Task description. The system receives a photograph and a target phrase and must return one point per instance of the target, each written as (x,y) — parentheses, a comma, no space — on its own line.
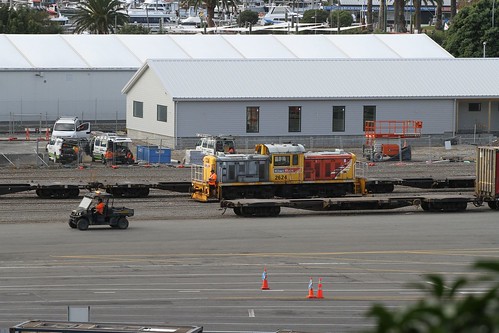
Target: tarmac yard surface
(209,271)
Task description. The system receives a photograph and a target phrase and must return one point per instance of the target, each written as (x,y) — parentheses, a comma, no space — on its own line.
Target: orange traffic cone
(319,289)
(311,289)
(265,283)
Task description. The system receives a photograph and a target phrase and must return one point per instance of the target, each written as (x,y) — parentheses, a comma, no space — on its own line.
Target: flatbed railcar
(59,190)
(272,207)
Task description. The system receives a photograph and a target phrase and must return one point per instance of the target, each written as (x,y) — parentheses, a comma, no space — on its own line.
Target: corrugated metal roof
(326,78)
(131,51)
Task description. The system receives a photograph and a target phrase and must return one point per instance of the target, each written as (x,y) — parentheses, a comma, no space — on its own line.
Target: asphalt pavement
(208,272)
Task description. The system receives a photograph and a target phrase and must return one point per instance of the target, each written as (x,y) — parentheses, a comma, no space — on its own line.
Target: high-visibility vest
(99,208)
(213,179)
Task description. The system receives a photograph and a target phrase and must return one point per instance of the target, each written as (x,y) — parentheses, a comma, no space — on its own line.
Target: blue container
(143,152)
(154,154)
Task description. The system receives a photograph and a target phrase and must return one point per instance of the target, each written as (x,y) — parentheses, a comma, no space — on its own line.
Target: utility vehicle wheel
(425,206)
(237,211)
(82,224)
(123,223)
(493,205)
(72,225)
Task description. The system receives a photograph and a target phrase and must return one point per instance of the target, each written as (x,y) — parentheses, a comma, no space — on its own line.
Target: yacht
(153,12)
(279,14)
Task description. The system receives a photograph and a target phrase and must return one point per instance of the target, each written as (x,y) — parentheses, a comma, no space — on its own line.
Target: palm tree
(417,15)
(369,15)
(210,7)
(382,15)
(99,16)
(439,24)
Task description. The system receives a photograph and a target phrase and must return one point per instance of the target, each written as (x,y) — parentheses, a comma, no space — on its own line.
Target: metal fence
(21,153)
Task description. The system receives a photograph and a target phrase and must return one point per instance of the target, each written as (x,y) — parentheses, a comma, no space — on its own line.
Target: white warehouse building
(47,76)
(278,100)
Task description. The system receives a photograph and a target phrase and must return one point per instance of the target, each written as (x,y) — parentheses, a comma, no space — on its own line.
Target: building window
(138,109)
(252,119)
(161,113)
(369,115)
(474,107)
(338,119)
(294,122)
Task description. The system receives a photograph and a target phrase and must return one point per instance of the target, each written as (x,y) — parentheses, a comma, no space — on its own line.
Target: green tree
(134,29)
(470,28)
(446,309)
(343,17)
(24,20)
(247,16)
(315,16)
(99,16)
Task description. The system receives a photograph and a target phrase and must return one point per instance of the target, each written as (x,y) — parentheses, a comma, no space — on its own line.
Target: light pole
(484,44)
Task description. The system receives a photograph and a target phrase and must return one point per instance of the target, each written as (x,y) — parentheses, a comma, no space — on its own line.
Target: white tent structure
(46,76)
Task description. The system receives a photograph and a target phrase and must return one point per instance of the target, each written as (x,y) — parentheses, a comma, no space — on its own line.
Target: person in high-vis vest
(212,182)
(108,156)
(99,208)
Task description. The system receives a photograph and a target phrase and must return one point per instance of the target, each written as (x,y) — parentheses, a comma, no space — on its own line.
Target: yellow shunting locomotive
(278,170)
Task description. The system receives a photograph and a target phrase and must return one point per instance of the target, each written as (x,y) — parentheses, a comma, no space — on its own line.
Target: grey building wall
(91,95)
(479,121)
(229,118)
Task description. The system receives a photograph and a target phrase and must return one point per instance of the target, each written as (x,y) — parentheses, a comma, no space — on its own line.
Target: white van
(119,147)
(71,127)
